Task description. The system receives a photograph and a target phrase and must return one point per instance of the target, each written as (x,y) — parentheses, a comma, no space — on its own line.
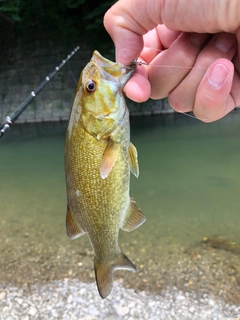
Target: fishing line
(189,115)
(171,66)
(139,62)
(9,120)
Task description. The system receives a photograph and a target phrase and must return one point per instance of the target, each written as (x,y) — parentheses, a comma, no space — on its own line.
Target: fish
(98,160)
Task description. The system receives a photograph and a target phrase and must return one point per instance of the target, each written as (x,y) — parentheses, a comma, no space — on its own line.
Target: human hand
(191,48)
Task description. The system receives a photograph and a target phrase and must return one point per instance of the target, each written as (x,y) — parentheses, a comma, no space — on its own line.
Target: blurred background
(35,37)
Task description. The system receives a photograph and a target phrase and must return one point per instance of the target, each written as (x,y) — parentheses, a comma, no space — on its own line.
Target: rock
(191,309)
(211,302)
(2,295)
(180,297)
(54,313)
(70,298)
(32,311)
(82,291)
(93,311)
(122,311)
(62,300)
(19,301)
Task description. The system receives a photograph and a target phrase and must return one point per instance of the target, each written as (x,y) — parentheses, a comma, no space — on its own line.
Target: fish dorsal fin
(134,217)
(133,161)
(73,230)
(109,158)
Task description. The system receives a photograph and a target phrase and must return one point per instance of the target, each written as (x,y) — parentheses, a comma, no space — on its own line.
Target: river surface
(188,188)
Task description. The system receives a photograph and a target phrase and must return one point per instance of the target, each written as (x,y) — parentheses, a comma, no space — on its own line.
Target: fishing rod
(9,120)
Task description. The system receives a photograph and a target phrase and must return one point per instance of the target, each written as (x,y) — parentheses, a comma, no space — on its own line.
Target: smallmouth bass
(98,159)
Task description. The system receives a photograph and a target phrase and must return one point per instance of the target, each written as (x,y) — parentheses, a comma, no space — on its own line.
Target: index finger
(128,20)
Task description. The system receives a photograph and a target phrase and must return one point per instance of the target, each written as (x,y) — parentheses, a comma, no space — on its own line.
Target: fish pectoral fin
(134,217)
(73,230)
(104,272)
(109,158)
(133,160)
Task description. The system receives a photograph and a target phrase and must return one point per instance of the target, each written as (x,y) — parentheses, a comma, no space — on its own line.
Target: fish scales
(97,208)
(98,160)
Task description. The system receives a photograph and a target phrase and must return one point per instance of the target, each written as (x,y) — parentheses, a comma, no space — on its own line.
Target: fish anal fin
(72,228)
(133,160)
(104,272)
(134,217)
(109,158)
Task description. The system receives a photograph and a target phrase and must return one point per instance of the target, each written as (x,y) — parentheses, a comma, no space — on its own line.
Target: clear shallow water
(189,177)
(188,187)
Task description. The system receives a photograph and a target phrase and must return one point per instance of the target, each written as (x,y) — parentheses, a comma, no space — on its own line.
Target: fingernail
(225,42)
(218,75)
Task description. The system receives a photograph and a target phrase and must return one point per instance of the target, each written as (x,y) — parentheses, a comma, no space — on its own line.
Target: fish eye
(90,86)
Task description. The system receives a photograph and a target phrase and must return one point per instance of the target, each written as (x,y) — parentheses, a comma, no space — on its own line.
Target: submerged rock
(219,242)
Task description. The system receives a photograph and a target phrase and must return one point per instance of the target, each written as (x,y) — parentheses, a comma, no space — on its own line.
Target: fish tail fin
(104,272)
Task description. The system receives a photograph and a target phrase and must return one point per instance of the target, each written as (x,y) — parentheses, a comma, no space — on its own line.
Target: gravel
(72,299)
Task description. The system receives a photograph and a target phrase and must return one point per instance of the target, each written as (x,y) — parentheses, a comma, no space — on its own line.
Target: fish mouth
(113,69)
(104,62)
(126,69)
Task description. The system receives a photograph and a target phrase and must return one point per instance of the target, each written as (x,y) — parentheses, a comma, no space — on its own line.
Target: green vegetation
(69,22)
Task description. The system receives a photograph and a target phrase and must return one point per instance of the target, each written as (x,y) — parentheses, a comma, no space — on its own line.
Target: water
(189,183)
(188,188)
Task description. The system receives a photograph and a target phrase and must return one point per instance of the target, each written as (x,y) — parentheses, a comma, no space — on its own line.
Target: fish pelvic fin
(109,158)
(133,160)
(72,228)
(104,272)
(134,217)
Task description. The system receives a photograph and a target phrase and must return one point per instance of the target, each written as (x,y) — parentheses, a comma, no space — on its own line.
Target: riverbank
(76,300)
